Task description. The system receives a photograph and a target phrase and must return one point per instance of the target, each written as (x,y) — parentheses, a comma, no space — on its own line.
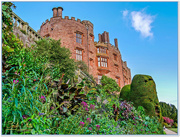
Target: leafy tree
(168,110)
(56,58)
(109,84)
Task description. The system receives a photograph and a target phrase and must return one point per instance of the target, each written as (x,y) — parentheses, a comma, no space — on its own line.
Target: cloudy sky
(146,33)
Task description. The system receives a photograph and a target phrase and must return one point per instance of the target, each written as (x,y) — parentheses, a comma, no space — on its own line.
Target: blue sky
(146,33)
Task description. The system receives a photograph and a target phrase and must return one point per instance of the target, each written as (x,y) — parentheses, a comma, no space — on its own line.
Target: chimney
(107,37)
(116,43)
(99,35)
(54,12)
(60,9)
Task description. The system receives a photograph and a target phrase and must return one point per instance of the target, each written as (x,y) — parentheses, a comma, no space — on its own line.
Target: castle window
(79,38)
(78,54)
(101,50)
(99,79)
(102,62)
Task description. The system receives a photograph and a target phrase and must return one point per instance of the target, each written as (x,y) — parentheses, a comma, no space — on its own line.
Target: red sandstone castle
(102,58)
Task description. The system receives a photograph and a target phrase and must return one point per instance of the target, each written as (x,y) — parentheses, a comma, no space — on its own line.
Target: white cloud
(125,13)
(142,22)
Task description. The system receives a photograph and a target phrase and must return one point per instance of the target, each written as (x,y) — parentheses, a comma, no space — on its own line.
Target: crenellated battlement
(84,22)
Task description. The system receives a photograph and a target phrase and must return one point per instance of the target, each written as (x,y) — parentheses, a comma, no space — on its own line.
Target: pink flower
(97,126)
(81,123)
(84,104)
(42,96)
(15,81)
(133,118)
(92,107)
(86,109)
(89,120)
(90,128)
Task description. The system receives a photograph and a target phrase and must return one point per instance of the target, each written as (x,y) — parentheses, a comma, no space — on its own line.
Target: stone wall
(22,30)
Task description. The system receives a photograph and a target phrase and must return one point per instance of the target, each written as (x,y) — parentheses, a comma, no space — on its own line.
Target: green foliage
(23,31)
(143,93)
(168,110)
(81,65)
(175,125)
(125,92)
(109,84)
(56,58)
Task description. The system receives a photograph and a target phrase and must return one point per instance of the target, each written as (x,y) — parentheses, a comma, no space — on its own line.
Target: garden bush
(109,84)
(125,91)
(143,93)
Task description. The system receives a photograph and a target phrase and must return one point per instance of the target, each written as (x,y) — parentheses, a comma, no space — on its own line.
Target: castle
(102,58)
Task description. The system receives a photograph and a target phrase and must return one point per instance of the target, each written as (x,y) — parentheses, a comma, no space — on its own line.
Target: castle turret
(54,12)
(60,9)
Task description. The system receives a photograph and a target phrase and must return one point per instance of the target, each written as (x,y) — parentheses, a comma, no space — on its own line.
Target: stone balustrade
(82,75)
(22,25)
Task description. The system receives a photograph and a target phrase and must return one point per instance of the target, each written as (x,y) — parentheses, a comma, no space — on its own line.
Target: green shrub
(56,58)
(125,92)
(165,124)
(143,93)
(109,84)
(175,125)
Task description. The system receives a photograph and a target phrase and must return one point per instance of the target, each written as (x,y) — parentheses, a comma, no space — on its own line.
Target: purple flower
(41,114)
(133,118)
(92,107)
(90,128)
(15,81)
(81,123)
(24,116)
(86,109)
(141,129)
(89,120)
(30,119)
(134,124)
(42,96)
(97,126)
(84,104)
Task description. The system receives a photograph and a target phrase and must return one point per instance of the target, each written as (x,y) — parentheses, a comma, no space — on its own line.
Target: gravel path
(169,132)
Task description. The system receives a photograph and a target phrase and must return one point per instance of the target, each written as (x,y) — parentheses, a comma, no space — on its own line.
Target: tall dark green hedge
(143,93)
(125,92)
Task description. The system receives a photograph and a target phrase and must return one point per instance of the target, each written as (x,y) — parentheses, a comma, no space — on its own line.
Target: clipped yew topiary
(125,91)
(143,93)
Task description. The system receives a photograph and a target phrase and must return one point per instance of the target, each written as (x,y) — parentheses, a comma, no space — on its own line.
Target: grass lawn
(173,129)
